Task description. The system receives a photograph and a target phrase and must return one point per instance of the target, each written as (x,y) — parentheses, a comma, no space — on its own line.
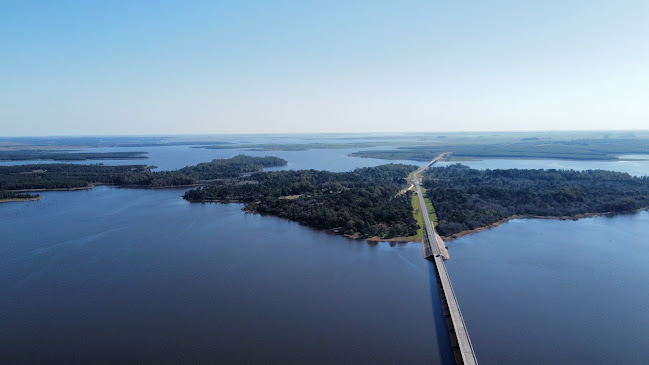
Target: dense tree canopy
(4,194)
(67,176)
(361,202)
(466,199)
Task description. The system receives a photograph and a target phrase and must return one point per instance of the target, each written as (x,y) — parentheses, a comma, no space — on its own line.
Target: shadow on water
(441,330)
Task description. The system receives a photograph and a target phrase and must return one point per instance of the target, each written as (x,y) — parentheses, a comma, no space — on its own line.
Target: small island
(468,200)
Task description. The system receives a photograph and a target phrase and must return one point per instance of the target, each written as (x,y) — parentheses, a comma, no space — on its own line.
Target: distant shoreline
(20,199)
(56,189)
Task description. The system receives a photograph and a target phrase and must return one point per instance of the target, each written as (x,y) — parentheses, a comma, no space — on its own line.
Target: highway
(431,244)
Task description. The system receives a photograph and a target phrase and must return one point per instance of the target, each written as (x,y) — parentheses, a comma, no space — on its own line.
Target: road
(437,244)
(464,350)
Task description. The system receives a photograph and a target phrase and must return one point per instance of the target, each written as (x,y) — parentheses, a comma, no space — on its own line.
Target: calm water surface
(175,157)
(141,275)
(556,292)
(636,165)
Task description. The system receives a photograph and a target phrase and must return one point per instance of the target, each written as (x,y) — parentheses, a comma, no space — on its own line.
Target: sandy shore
(20,199)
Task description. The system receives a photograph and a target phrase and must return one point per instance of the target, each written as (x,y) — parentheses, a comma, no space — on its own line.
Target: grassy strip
(431,210)
(416,211)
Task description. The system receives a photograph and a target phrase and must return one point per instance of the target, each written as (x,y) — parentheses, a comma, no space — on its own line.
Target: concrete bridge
(435,250)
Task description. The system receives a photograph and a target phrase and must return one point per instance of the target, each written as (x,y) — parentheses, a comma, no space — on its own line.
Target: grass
(290,197)
(416,212)
(431,210)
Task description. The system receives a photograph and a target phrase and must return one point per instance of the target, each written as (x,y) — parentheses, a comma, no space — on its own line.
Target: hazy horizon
(561,133)
(254,67)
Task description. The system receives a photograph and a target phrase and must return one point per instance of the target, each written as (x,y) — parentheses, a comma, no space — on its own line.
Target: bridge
(435,250)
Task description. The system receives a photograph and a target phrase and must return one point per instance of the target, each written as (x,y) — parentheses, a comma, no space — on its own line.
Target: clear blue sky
(163,67)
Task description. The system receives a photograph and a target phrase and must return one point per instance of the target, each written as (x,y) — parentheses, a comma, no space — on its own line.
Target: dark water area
(556,292)
(119,275)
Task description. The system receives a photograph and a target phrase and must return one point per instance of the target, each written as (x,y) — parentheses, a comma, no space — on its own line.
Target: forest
(6,195)
(466,198)
(362,203)
(70,176)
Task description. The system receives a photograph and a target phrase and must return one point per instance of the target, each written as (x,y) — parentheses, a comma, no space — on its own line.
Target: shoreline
(335,231)
(562,218)
(106,184)
(56,189)
(20,199)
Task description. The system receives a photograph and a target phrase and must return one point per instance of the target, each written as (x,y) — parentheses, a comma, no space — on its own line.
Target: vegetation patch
(467,199)
(8,196)
(419,216)
(71,176)
(432,215)
(362,203)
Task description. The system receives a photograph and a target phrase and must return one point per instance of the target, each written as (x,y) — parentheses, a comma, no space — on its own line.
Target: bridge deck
(431,250)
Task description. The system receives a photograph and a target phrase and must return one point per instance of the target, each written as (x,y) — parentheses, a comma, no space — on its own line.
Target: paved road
(464,342)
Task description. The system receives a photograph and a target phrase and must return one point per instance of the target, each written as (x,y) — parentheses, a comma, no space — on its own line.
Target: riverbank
(20,199)
(563,218)
(56,189)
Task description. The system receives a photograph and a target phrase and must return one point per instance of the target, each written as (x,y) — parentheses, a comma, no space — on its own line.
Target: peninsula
(467,200)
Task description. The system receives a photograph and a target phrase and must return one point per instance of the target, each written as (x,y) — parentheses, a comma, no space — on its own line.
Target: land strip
(469,200)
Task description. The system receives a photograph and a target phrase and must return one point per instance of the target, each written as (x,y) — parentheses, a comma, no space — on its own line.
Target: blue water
(175,157)
(143,276)
(636,165)
(556,292)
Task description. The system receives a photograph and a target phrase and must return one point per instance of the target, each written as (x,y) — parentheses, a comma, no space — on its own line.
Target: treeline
(578,149)
(27,155)
(466,199)
(69,176)
(4,194)
(361,202)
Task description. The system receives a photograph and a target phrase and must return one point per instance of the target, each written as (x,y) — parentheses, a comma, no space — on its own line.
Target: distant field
(579,149)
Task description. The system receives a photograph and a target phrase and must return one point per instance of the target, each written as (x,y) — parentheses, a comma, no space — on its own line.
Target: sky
(193,67)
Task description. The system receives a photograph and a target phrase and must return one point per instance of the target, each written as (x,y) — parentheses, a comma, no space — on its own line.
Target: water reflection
(441,329)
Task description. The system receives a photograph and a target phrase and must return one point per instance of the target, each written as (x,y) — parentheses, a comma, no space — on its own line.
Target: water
(636,165)
(556,292)
(175,157)
(143,276)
